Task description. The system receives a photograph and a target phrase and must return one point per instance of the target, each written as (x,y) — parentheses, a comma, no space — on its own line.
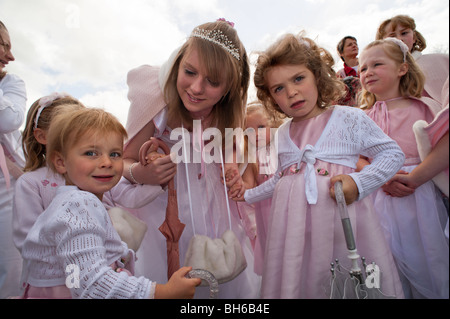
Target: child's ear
(40,136)
(404,67)
(59,162)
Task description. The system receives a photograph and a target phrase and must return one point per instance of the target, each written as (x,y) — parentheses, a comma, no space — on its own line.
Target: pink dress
(210,215)
(304,238)
(262,216)
(414,224)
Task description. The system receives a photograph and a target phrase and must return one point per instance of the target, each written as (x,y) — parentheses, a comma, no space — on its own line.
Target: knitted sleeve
(263,191)
(27,206)
(387,156)
(82,234)
(131,195)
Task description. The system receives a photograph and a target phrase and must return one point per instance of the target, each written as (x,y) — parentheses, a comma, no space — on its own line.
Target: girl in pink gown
(204,82)
(265,125)
(317,147)
(413,219)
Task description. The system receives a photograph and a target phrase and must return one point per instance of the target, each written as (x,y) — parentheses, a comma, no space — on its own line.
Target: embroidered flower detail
(294,169)
(322,172)
(45,182)
(54,185)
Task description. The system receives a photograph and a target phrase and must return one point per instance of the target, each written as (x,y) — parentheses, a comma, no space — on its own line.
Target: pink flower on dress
(45,182)
(294,169)
(54,185)
(322,172)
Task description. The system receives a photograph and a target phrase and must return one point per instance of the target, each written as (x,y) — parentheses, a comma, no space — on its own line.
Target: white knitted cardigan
(348,133)
(76,231)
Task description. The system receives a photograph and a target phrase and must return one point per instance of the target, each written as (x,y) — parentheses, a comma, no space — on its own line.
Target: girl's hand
(149,152)
(400,185)
(237,192)
(231,174)
(154,168)
(349,188)
(178,286)
(233,180)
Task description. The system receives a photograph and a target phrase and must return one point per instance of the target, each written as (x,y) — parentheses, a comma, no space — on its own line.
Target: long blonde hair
(298,50)
(405,21)
(411,84)
(33,150)
(229,111)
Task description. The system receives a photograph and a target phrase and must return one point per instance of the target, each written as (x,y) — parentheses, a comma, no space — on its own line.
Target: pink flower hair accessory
(229,22)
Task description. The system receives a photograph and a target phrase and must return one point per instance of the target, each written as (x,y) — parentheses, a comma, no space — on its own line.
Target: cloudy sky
(86,47)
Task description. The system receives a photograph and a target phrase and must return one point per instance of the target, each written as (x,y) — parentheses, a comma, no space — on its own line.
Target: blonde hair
(405,21)
(33,150)
(411,84)
(229,111)
(275,119)
(69,127)
(298,50)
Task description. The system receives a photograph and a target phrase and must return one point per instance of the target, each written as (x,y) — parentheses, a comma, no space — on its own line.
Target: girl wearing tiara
(73,250)
(318,146)
(413,219)
(204,80)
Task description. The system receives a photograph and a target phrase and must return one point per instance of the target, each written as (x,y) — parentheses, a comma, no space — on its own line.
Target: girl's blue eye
(90,153)
(299,78)
(277,89)
(115,154)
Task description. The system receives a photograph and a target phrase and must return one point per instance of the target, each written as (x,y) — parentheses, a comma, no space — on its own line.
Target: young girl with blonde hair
(413,219)
(264,125)
(73,250)
(37,186)
(318,146)
(433,65)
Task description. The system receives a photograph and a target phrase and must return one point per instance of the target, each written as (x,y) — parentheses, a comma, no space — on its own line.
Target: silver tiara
(217,37)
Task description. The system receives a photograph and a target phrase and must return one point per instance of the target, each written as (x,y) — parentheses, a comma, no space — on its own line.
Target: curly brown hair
(298,50)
